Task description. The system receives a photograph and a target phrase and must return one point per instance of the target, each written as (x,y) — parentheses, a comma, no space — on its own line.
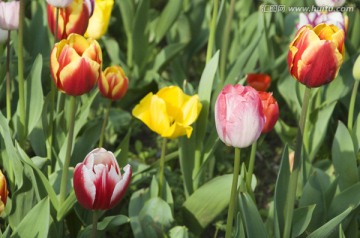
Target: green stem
(106,118)
(251,166)
(292,187)
(130,50)
(162,165)
(352,105)
(8,82)
(230,217)
(225,42)
(70,139)
(94,224)
(211,40)
(22,135)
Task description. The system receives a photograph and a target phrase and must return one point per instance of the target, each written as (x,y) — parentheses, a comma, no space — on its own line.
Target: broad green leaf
(327,229)
(253,223)
(186,160)
(301,220)
(199,210)
(344,158)
(139,33)
(36,222)
(137,202)
(112,48)
(124,149)
(179,232)
(127,10)
(167,18)
(105,224)
(66,206)
(349,196)
(34,99)
(166,54)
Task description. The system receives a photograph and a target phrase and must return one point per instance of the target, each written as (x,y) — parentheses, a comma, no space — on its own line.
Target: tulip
(75,64)
(59,3)
(169,113)
(356,69)
(239,116)
(3,192)
(330,3)
(98,182)
(72,19)
(316,54)
(99,21)
(114,83)
(316,18)
(9,15)
(261,82)
(270,109)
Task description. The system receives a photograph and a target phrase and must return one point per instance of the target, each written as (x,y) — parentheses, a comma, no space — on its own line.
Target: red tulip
(239,116)
(72,19)
(98,183)
(113,83)
(75,64)
(270,109)
(316,54)
(261,82)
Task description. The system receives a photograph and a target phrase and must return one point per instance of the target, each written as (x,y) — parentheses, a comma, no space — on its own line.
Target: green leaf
(301,220)
(166,54)
(167,18)
(179,232)
(66,206)
(127,10)
(348,197)
(137,202)
(327,229)
(253,223)
(34,99)
(344,158)
(36,222)
(106,224)
(139,33)
(199,210)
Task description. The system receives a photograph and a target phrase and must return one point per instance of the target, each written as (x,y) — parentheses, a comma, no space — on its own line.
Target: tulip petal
(321,60)
(79,76)
(84,186)
(121,186)
(191,110)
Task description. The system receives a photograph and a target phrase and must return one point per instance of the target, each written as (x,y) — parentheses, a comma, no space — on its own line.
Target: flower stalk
(106,118)
(162,166)
(8,82)
(352,105)
(94,224)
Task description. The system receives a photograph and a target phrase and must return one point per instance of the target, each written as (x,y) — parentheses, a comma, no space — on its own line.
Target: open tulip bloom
(316,54)
(98,182)
(169,113)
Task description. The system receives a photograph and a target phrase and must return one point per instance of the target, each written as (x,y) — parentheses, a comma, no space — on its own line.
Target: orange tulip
(261,82)
(316,54)
(270,109)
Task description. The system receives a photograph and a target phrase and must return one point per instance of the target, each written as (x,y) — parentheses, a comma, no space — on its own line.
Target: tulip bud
(98,182)
(169,113)
(239,116)
(3,192)
(59,3)
(270,109)
(316,54)
(113,84)
(261,82)
(75,64)
(99,21)
(356,69)
(72,19)
(9,15)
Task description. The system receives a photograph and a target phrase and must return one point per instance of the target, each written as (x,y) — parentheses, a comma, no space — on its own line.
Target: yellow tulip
(99,21)
(169,113)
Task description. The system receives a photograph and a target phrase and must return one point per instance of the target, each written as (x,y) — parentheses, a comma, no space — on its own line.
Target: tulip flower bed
(153,118)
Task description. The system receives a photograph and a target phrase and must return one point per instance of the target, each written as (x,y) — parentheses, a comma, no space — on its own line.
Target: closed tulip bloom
(316,54)
(9,15)
(98,182)
(261,82)
(3,192)
(270,109)
(239,116)
(72,19)
(169,113)
(59,3)
(99,21)
(113,84)
(75,64)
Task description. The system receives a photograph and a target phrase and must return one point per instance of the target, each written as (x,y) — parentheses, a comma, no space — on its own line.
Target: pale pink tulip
(9,15)
(239,116)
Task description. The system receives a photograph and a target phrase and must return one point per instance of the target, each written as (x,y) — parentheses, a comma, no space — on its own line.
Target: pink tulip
(98,183)
(9,15)
(239,116)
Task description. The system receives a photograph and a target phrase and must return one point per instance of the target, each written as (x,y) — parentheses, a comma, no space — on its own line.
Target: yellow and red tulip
(72,19)
(113,84)
(316,54)
(99,21)
(169,113)
(75,64)
(3,192)
(261,82)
